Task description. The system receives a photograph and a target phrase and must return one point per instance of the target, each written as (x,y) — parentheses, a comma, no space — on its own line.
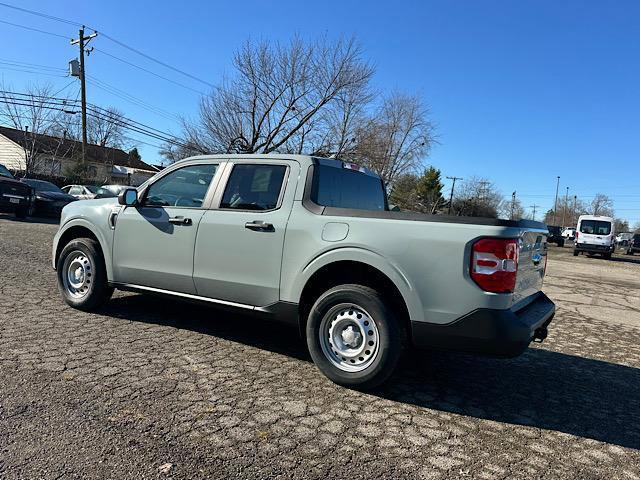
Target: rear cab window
(595,227)
(344,185)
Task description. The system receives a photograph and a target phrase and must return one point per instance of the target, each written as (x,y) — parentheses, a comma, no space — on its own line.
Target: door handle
(259,226)
(180,221)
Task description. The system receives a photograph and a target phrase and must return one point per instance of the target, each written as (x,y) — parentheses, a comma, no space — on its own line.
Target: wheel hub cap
(78,273)
(349,338)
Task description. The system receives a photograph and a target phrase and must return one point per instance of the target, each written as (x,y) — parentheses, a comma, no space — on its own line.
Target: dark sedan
(50,199)
(15,196)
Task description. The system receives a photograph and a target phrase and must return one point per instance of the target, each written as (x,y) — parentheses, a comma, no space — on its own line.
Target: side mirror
(128,197)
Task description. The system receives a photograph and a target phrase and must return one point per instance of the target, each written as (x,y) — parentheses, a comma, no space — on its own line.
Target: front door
(238,252)
(154,241)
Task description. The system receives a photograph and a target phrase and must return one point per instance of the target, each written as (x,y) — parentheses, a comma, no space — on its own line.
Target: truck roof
(595,217)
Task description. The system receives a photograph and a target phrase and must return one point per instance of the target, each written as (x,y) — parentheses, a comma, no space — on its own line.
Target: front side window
(185,187)
(595,227)
(253,187)
(76,190)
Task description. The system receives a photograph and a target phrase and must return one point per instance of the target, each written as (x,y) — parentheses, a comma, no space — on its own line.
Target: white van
(595,234)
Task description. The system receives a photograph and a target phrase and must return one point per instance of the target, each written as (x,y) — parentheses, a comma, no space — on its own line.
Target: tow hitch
(540,334)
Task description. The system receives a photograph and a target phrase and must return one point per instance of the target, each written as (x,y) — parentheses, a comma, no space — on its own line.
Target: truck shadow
(626,258)
(544,389)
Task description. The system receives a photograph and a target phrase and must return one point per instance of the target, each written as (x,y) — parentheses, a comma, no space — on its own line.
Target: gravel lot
(154,388)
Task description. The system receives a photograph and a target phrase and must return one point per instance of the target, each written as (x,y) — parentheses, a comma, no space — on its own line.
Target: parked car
(81,192)
(49,198)
(595,234)
(622,239)
(555,235)
(15,196)
(109,191)
(569,233)
(358,280)
(634,244)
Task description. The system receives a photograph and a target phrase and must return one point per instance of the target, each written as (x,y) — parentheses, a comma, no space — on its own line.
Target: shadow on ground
(543,389)
(42,220)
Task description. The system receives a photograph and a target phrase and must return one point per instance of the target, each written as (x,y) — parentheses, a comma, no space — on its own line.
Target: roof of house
(65,147)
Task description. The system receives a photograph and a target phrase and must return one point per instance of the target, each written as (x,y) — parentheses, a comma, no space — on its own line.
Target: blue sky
(521,91)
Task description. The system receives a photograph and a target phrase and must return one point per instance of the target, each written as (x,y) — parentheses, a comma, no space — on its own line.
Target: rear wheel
(575,253)
(82,275)
(354,336)
(607,256)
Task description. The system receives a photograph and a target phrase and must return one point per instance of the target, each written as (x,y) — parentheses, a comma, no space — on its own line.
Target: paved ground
(153,388)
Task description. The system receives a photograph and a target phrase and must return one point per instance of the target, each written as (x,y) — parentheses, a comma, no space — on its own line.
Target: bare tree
(478,197)
(602,205)
(276,94)
(33,114)
(397,139)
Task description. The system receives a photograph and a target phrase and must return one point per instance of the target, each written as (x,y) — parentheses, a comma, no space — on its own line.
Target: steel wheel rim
(77,274)
(349,338)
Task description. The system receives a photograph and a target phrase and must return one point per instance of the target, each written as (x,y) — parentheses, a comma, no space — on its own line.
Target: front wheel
(575,253)
(354,336)
(82,275)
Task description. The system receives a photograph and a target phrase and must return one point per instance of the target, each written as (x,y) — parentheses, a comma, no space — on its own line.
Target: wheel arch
(356,266)
(80,228)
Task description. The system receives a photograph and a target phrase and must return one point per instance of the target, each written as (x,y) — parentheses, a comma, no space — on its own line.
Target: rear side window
(253,187)
(595,227)
(346,188)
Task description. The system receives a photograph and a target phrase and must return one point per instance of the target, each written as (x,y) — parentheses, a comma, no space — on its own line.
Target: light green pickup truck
(311,241)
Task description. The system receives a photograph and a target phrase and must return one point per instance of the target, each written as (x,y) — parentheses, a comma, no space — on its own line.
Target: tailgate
(531,264)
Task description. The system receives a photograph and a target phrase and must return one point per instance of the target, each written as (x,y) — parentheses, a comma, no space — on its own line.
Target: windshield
(595,227)
(4,172)
(42,186)
(91,188)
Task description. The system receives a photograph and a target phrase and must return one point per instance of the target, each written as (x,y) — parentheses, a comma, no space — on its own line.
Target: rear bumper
(586,247)
(499,333)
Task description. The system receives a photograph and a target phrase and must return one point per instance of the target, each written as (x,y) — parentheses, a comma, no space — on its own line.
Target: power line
(34,29)
(122,122)
(131,99)
(16,63)
(114,40)
(147,71)
(39,14)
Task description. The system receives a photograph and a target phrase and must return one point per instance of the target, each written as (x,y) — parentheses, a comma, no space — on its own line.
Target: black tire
(607,256)
(575,253)
(95,291)
(390,334)
(22,212)
(561,242)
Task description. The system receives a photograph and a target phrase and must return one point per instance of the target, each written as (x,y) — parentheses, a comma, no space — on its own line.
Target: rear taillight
(494,264)
(576,237)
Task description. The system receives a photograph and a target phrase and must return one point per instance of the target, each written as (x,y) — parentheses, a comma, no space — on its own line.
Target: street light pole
(555,205)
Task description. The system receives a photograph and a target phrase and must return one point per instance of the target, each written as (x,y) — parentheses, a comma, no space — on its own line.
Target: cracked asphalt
(155,388)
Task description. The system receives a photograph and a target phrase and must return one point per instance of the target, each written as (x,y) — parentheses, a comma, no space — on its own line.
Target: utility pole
(575,209)
(534,206)
(513,205)
(566,206)
(82,41)
(555,205)
(452,187)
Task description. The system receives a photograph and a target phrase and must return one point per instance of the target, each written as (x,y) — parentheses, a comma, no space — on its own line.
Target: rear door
(238,253)
(595,232)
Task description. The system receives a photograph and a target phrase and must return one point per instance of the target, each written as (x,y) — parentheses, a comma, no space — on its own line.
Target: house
(55,157)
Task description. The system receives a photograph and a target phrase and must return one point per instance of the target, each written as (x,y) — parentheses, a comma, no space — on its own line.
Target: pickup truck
(311,241)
